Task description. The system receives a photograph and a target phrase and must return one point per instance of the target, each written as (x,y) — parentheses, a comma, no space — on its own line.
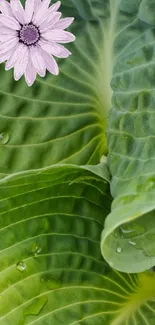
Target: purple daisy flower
(30,37)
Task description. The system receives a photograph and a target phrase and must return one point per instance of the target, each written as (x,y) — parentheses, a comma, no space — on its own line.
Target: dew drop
(121,232)
(21,266)
(36,249)
(50,282)
(132,230)
(36,306)
(119,250)
(4,138)
(33,309)
(126,231)
(132,243)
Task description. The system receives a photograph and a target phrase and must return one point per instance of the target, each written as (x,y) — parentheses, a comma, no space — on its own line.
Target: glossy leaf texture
(128,237)
(52,271)
(60,119)
(51,218)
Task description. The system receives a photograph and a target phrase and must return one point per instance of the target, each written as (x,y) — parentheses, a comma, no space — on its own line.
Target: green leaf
(128,237)
(131,6)
(85,9)
(60,119)
(146,13)
(63,119)
(52,271)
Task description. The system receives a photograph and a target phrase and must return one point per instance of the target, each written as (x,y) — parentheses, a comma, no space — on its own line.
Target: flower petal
(10,22)
(17,10)
(55,6)
(37,3)
(64,23)
(50,21)
(5,8)
(55,49)
(11,62)
(7,46)
(50,62)
(21,63)
(53,9)
(50,11)
(5,56)
(39,14)
(30,73)
(38,60)
(58,35)
(8,31)
(6,37)
(29,10)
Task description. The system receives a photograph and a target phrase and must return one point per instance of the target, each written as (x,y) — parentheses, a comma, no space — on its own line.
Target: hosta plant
(77,167)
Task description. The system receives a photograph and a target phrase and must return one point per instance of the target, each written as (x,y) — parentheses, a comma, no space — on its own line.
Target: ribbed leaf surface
(129,234)
(52,271)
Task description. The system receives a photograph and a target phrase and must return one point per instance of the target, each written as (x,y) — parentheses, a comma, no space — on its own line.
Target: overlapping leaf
(129,234)
(51,219)
(52,271)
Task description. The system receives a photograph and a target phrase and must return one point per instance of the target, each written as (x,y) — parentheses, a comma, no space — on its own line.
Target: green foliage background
(58,192)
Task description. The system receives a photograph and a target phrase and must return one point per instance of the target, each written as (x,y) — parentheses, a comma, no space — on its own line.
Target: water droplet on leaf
(21,266)
(122,232)
(36,249)
(51,282)
(36,306)
(131,230)
(33,309)
(119,250)
(132,243)
(127,231)
(4,138)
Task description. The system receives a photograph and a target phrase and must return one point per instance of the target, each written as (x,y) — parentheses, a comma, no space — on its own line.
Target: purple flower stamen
(29,34)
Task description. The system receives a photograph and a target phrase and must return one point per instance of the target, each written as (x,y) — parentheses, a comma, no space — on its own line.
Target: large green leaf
(51,269)
(58,119)
(63,118)
(129,234)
